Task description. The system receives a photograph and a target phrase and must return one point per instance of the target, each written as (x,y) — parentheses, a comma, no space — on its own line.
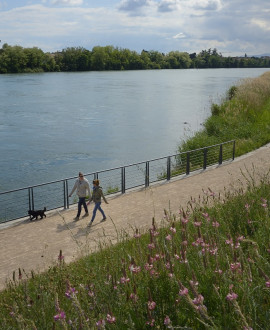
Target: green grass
(243,115)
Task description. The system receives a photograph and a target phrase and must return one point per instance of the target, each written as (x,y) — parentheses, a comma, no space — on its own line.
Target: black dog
(34,214)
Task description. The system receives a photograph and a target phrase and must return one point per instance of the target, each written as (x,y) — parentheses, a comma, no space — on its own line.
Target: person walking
(96,198)
(82,186)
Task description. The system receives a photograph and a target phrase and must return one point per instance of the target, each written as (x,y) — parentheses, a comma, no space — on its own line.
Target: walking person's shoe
(104,219)
(76,218)
(86,214)
(90,224)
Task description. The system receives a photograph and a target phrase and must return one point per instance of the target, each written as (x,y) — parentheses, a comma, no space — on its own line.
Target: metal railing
(15,204)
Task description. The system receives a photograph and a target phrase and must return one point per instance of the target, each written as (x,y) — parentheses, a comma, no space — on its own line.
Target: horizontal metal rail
(15,203)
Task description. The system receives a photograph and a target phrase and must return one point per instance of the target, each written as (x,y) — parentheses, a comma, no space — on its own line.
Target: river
(53,125)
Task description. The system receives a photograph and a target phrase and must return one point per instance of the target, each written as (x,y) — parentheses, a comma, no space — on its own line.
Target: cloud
(179,36)
(168,5)
(67,2)
(262,24)
(130,5)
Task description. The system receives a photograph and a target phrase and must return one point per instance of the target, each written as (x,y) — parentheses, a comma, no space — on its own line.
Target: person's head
(96,182)
(80,176)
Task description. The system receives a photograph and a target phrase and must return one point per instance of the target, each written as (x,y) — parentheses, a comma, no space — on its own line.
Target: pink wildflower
(100,324)
(110,319)
(167,320)
(198,300)
(197,224)
(183,292)
(267,284)
(124,280)
(151,305)
(151,323)
(137,235)
(235,266)
(173,230)
(168,237)
(231,296)
(215,224)
(133,297)
(151,246)
(184,220)
(247,206)
(60,316)
(148,266)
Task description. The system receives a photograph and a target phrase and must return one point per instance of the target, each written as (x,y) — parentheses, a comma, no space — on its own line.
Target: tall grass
(243,115)
(206,267)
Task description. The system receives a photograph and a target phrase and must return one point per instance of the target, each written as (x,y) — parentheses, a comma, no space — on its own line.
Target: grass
(243,115)
(207,267)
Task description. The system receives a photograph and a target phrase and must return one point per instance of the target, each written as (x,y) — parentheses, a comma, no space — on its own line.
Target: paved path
(35,245)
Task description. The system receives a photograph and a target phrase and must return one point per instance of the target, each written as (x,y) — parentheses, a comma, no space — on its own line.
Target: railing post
(96,176)
(168,168)
(67,194)
(233,150)
(29,199)
(205,158)
(32,198)
(220,155)
(188,163)
(147,174)
(123,180)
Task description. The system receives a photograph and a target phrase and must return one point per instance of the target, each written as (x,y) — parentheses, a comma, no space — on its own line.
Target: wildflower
(124,280)
(229,242)
(235,266)
(110,319)
(247,206)
(231,296)
(60,316)
(167,320)
(148,266)
(133,297)
(91,293)
(267,284)
(137,235)
(151,305)
(71,292)
(100,324)
(198,300)
(135,269)
(197,224)
(151,322)
(206,216)
(183,292)
(184,220)
(215,224)
(173,230)
(264,202)
(218,271)
(168,237)
(151,246)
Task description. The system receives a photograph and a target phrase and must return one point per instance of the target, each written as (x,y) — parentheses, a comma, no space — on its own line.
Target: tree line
(16,59)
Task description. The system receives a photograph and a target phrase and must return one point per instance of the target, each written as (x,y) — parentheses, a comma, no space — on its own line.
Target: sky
(233,27)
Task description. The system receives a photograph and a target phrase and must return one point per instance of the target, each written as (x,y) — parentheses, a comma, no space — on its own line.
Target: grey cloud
(133,5)
(167,6)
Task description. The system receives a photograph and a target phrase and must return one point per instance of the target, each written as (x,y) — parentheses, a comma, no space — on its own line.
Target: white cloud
(179,36)
(264,25)
(67,2)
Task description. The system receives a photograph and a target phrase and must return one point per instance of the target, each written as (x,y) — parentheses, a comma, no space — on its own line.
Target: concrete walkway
(35,245)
